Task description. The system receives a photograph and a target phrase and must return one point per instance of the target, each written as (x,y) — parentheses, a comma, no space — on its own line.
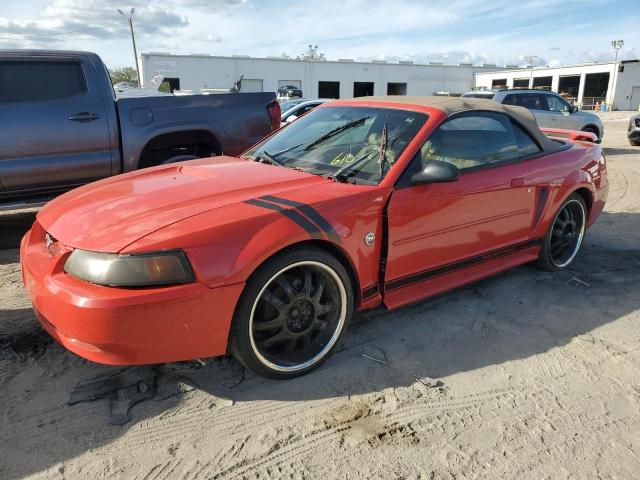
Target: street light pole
(617,45)
(530,59)
(133,41)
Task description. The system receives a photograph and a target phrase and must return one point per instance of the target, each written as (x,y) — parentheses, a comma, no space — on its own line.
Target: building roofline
(340,61)
(575,65)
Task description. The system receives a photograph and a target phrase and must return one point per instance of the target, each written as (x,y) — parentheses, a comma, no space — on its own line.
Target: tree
(312,54)
(124,74)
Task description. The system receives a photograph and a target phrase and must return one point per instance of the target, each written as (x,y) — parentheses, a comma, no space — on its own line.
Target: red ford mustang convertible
(359,204)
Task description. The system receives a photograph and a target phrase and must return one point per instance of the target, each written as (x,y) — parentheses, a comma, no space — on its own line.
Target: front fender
(226,245)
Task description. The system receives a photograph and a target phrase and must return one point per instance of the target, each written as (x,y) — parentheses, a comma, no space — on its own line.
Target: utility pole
(530,59)
(617,45)
(133,41)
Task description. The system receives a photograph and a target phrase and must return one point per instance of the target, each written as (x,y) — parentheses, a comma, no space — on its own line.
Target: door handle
(519,182)
(84,117)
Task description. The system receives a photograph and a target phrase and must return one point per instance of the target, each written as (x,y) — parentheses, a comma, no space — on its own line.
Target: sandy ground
(525,375)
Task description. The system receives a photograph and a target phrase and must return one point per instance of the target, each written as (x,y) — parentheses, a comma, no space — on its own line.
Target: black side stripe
(291,215)
(309,211)
(469,262)
(369,292)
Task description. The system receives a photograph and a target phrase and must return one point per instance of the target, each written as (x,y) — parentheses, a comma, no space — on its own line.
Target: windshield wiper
(268,158)
(383,150)
(335,131)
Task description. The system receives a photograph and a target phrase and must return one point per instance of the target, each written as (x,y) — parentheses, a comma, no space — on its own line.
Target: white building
(318,79)
(614,83)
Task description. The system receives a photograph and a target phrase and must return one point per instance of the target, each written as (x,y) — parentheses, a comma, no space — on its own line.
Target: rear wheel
(634,143)
(292,314)
(562,242)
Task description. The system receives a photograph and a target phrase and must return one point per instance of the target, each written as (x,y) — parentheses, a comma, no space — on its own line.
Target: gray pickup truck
(62,125)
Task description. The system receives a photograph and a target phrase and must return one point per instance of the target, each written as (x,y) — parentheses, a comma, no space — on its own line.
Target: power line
(17,36)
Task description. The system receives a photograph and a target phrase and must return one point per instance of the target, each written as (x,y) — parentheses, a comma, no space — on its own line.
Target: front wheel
(292,314)
(564,238)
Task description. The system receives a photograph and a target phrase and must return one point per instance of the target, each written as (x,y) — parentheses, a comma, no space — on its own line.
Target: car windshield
(354,144)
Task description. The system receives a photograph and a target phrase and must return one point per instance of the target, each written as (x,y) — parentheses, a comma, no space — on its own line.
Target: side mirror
(574,109)
(291,118)
(436,172)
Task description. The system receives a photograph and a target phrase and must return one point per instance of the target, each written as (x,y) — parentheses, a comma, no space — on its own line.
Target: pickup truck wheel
(292,314)
(564,238)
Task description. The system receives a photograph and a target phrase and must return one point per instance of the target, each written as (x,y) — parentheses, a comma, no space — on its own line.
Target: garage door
(251,85)
(295,83)
(635,99)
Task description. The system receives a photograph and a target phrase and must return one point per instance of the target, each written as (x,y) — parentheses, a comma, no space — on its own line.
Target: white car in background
(294,109)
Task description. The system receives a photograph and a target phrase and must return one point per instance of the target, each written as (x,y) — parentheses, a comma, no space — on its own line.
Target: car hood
(110,214)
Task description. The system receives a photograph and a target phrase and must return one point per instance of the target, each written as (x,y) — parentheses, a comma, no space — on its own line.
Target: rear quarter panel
(581,167)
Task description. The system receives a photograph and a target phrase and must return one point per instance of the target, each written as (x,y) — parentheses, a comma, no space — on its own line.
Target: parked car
(299,109)
(487,94)
(62,125)
(359,204)
(552,110)
(290,91)
(634,131)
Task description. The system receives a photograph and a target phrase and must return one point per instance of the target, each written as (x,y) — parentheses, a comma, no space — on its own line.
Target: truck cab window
(31,81)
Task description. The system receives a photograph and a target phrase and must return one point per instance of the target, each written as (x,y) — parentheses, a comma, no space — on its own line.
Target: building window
(543,83)
(499,83)
(520,83)
(362,89)
(396,88)
(329,89)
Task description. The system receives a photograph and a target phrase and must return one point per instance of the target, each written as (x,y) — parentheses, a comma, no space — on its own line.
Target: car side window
(531,101)
(31,81)
(557,104)
(526,145)
(472,139)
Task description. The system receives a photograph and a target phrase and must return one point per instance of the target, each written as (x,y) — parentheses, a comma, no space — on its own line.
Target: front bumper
(124,326)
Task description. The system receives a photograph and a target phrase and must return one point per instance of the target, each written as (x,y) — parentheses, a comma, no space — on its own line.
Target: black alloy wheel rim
(298,316)
(567,233)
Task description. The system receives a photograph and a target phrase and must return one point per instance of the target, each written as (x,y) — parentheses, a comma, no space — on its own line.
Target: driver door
(440,234)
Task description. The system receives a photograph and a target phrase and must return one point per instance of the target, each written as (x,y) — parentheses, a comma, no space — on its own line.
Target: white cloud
(454,31)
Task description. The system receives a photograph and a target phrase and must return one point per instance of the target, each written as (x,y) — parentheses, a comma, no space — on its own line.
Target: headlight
(135,270)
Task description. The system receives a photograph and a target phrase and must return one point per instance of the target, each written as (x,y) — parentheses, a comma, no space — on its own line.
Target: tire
(285,324)
(564,238)
(634,143)
(593,130)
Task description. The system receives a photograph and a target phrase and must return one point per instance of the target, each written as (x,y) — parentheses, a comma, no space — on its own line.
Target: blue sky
(477,31)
